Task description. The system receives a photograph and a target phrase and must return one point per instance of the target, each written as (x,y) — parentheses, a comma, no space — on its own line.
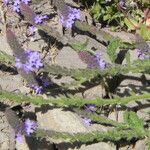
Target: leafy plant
(107,11)
(112,47)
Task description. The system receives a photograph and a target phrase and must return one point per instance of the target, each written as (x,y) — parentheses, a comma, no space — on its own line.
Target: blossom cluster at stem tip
(90,107)
(29,127)
(68,19)
(87,121)
(16,4)
(32,61)
(37,89)
(100,61)
(142,55)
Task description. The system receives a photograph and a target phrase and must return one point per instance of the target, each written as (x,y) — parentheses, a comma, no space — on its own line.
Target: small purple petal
(33,61)
(90,107)
(40,18)
(32,30)
(16,8)
(87,121)
(141,55)
(26,1)
(6,2)
(19,137)
(30,126)
(100,61)
(68,20)
(37,89)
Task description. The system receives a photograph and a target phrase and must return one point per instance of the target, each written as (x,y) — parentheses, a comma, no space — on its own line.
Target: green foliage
(6,58)
(144,32)
(148,140)
(131,24)
(112,135)
(107,12)
(71,100)
(132,128)
(127,57)
(112,47)
(134,122)
(78,46)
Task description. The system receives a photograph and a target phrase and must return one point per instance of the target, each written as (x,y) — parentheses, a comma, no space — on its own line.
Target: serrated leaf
(144,32)
(127,57)
(134,121)
(112,47)
(131,24)
(80,46)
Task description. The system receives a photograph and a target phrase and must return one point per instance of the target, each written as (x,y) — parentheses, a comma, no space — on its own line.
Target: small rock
(99,146)
(144,114)
(22,145)
(67,57)
(141,145)
(61,121)
(12,82)
(4,46)
(97,91)
(116,116)
(127,37)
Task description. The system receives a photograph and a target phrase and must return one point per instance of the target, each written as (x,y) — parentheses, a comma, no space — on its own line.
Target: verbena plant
(98,71)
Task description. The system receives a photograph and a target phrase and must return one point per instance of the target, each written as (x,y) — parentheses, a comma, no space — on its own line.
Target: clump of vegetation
(109,74)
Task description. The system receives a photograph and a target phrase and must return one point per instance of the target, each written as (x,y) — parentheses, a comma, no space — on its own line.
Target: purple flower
(37,89)
(93,61)
(16,8)
(16,4)
(32,30)
(141,55)
(26,1)
(45,82)
(19,137)
(30,126)
(32,61)
(39,18)
(5,2)
(90,107)
(68,19)
(100,61)
(87,121)
(122,4)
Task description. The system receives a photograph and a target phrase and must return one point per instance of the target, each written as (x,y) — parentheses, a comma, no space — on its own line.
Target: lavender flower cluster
(33,61)
(16,4)
(29,127)
(100,61)
(16,7)
(68,19)
(90,107)
(141,55)
(87,121)
(93,61)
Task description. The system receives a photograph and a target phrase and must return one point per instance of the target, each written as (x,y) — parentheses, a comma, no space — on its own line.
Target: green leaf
(107,17)
(144,32)
(112,47)
(134,121)
(131,24)
(80,46)
(127,57)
